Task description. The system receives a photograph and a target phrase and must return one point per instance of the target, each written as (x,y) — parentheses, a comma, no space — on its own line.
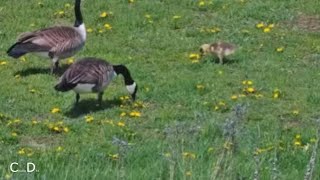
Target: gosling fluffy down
(93,75)
(220,49)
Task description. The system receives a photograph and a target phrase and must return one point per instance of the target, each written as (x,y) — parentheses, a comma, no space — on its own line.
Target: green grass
(177,118)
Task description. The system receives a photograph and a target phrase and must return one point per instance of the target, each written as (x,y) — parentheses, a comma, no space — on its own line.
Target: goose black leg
(56,66)
(77,98)
(100,98)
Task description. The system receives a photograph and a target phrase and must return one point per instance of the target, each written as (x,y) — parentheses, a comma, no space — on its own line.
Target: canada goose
(221,49)
(57,42)
(93,75)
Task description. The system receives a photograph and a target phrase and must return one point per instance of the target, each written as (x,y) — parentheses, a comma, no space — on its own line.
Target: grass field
(257,116)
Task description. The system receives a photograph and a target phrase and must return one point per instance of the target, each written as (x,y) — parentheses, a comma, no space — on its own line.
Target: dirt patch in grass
(309,23)
(40,142)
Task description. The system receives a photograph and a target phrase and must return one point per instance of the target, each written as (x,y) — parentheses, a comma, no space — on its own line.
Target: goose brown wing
(88,73)
(56,39)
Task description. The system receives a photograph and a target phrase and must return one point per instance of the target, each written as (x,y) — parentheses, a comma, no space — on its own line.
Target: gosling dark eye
(201,50)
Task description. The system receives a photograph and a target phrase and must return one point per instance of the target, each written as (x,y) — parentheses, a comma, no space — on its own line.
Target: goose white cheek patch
(131,88)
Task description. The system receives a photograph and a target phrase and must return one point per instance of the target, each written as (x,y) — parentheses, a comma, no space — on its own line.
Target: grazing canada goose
(93,75)
(58,42)
(221,49)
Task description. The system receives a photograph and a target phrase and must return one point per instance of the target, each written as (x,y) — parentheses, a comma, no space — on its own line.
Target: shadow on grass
(87,106)
(225,61)
(42,70)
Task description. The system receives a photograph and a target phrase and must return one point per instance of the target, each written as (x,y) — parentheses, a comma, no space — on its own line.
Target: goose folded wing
(51,37)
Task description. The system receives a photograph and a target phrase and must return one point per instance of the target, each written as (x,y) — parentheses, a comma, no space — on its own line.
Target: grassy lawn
(257,116)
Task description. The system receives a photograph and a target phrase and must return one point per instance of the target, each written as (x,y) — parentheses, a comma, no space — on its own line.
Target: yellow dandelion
(130,1)
(103,14)
(221,103)
(34,122)
(266,30)
(123,114)
(280,49)
(55,110)
(210,149)
(188,173)
(56,128)
(59,148)
(220,72)
(295,112)
(8,176)
(135,114)
(201,3)
(61,13)
(21,151)
(32,91)
(214,30)
(189,155)
(271,26)
(66,130)
(260,25)
(234,97)
(40,4)
(298,136)
(70,60)
(3,63)
(16,121)
(100,31)
(250,90)
(297,143)
(108,26)
(18,76)
(67,5)
(176,17)
(114,156)
(121,124)
(227,145)
(200,86)
(89,119)
(89,30)
(23,59)
(14,134)
(148,16)
(194,56)
(216,108)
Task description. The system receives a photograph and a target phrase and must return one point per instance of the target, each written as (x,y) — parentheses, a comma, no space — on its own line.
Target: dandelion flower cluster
(266,28)
(89,119)
(58,127)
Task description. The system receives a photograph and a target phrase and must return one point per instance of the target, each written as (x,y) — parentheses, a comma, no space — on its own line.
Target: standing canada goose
(221,49)
(93,75)
(58,42)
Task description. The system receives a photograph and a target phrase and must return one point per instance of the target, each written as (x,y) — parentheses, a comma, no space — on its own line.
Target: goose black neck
(123,70)
(78,14)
